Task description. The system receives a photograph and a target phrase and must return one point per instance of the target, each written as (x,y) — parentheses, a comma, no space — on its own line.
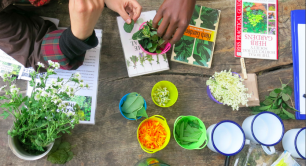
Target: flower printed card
(137,62)
(256,29)
(196,47)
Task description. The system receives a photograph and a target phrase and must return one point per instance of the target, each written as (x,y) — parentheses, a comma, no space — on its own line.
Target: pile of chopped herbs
(161,96)
(188,132)
(133,106)
(276,102)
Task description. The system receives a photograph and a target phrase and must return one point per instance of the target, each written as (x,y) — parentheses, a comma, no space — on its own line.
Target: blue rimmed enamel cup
(265,128)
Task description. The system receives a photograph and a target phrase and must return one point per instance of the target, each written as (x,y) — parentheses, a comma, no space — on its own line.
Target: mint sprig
(276,102)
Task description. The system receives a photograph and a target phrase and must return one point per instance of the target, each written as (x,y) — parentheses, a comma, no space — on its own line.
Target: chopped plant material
(152,134)
(128,27)
(61,153)
(228,89)
(148,38)
(276,102)
(161,96)
(188,132)
(133,106)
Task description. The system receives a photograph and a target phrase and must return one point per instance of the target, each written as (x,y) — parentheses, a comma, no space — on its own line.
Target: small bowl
(203,139)
(166,49)
(172,90)
(164,123)
(121,103)
(210,94)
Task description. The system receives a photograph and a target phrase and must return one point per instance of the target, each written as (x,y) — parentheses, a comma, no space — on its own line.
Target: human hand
(127,9)
(84,15)
(176,15)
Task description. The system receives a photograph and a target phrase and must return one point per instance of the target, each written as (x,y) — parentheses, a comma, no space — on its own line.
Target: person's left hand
(127,9)
(176,15)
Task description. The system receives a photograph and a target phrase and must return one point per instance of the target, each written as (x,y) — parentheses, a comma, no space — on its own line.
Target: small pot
(16,148)
(166,49)
(210,95)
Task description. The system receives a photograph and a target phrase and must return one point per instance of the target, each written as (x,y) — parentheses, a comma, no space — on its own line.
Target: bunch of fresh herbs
(41,117)
(188,132)
(276,102)
(133,106)
(148,38)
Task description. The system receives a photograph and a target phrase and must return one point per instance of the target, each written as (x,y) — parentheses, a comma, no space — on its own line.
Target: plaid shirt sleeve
(35,3)
(51,51)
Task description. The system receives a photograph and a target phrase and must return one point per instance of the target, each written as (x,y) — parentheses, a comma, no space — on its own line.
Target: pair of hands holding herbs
(176,15)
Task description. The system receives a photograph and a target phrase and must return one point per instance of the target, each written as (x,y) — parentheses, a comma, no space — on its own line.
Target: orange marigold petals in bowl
(153,134)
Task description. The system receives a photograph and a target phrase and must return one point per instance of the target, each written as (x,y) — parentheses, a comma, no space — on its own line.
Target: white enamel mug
(294,142)
(265,128)
(225,137)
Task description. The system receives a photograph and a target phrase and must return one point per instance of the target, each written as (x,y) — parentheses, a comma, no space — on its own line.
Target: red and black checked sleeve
(63,47)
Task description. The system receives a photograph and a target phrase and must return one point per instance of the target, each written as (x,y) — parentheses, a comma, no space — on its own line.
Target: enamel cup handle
(267,150)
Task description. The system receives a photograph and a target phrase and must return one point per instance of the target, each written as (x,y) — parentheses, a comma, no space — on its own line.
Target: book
(299,61)
(137,62)
(196,47)
(285,159)
(256,29)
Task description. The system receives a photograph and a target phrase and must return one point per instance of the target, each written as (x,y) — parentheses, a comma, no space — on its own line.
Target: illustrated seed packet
(196,47)
(256,30)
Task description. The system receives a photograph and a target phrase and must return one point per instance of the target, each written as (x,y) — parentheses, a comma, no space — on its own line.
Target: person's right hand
(84,15)
(127,9)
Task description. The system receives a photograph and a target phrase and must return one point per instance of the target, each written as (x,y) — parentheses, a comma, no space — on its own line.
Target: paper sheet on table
(86,98)
(302,67)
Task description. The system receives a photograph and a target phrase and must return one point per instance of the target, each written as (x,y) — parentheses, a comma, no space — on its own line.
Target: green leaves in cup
(276,102)
(133,106)
(128,27)
(188,131)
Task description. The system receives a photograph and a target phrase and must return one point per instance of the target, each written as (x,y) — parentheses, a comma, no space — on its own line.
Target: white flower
(37,96)
(50,63)
(44,94)
(2,87)
(77,76)
(41,65)
(81,85)
(50,70)
(39,90)
(13,86)
(56,65)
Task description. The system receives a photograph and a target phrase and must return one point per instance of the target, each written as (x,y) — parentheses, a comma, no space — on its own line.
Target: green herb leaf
(285,97)
(288,90)
(142,112)
(290,115)
(5,114)
(268,102)
(158,51)
(265,107)
(273,94)
(277,91)
(284,116)
(276,111)
(149,45)
(128,27)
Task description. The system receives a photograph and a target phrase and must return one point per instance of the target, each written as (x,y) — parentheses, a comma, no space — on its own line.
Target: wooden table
(112,140)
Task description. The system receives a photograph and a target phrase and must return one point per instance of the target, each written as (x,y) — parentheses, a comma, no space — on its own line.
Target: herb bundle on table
(276,102)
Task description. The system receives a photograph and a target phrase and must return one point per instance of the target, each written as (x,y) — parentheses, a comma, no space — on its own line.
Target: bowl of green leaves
(190,132)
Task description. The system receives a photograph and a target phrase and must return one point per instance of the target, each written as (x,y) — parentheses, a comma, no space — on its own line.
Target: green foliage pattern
(183,48)
(202,52)
(254,21)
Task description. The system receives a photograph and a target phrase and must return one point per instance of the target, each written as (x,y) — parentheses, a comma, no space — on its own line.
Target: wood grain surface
(112,140)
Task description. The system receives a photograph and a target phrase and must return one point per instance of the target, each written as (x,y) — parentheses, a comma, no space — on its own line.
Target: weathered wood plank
(112,140)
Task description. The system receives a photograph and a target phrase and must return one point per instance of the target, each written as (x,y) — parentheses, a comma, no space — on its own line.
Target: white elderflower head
(50,63)
(77,76)
(56,65)
(44,94)
(54,82)
(50,70)
(81,85)
(41,64)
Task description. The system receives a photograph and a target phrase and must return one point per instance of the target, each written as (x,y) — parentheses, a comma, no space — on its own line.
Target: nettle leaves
(128,27)
(276,103)
(133,106)
(148,38)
